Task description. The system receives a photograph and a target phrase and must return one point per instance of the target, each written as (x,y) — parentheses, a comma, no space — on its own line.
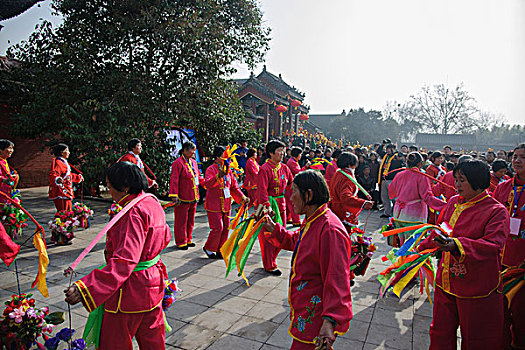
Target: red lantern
(304,117)
(295,103)
(281,108)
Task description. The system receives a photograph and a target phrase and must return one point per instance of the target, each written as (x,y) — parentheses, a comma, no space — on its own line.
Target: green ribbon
(94,322)
(355,183)
(275,208)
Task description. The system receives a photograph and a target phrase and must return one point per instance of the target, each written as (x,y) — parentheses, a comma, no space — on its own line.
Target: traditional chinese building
(275,108)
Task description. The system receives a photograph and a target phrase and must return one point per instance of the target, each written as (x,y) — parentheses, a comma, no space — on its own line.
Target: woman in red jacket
(184,191)
(468,282)
(8,175)
(61,179)
(344,201)
(319,286)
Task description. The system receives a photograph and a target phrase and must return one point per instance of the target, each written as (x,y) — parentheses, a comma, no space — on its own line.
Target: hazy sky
(362,53)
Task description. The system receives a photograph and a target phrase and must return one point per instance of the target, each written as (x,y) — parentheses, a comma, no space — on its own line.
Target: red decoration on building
(281,108)
(295,103)
(304,117)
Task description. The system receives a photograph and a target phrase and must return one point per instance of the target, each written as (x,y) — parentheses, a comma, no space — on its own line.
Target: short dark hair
(133,143)
(312,180)
(413,147)
(476,171)
(499,164)
(390,145)
(413,159)
(296,151)
(346,159)
(464,158)
(435,154)
(520,146)
(336,153)
(273,145)
(5,144)
(251,152)
(447,146)
(218,151)
(449,166)
(126,174)
(61,147)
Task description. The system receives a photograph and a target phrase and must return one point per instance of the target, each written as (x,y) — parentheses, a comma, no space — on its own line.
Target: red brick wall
(30,159)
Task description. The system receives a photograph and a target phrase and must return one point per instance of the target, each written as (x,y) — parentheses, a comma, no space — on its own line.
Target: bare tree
(443,110)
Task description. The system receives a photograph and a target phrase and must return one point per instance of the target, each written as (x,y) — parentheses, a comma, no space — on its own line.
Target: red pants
(119,329)
(184,222)
(515,321)
(480,320)
(291,213)
(219,223)
(297,345)
(268,251)
(63,204)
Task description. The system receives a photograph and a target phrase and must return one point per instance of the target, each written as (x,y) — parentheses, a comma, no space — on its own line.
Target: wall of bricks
(30,159)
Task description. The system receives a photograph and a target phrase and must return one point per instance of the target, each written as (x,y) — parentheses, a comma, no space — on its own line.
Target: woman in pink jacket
(130,287)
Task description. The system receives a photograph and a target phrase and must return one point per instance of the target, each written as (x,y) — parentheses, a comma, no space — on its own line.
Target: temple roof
(278,84)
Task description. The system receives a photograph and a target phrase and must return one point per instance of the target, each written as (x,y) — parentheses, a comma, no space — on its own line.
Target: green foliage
(117,69)
(366,127)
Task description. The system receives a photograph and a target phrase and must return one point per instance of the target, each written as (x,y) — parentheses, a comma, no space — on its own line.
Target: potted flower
(23,323)
(63,226)
(82,213)
(12,217)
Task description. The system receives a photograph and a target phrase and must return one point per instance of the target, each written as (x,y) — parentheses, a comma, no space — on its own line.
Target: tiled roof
(279,84)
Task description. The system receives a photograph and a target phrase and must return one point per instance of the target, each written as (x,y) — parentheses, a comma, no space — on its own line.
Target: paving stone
(421,341)
(253,292)
(216,319)
(389,336)
(193,337)
(229,341)
(183,310)
(347,344)
(280,337)
(236,304)
(358,331)
(253,328)
(272,347)
(270,312)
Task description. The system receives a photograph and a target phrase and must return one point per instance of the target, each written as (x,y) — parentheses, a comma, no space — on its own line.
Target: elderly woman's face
(297,201)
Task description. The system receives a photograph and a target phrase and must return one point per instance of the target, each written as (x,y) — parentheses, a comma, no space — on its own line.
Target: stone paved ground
(223,313)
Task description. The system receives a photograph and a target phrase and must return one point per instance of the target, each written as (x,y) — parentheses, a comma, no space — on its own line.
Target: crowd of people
(477,196)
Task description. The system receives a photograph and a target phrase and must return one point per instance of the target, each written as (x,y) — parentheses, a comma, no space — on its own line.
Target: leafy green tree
(117,69)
